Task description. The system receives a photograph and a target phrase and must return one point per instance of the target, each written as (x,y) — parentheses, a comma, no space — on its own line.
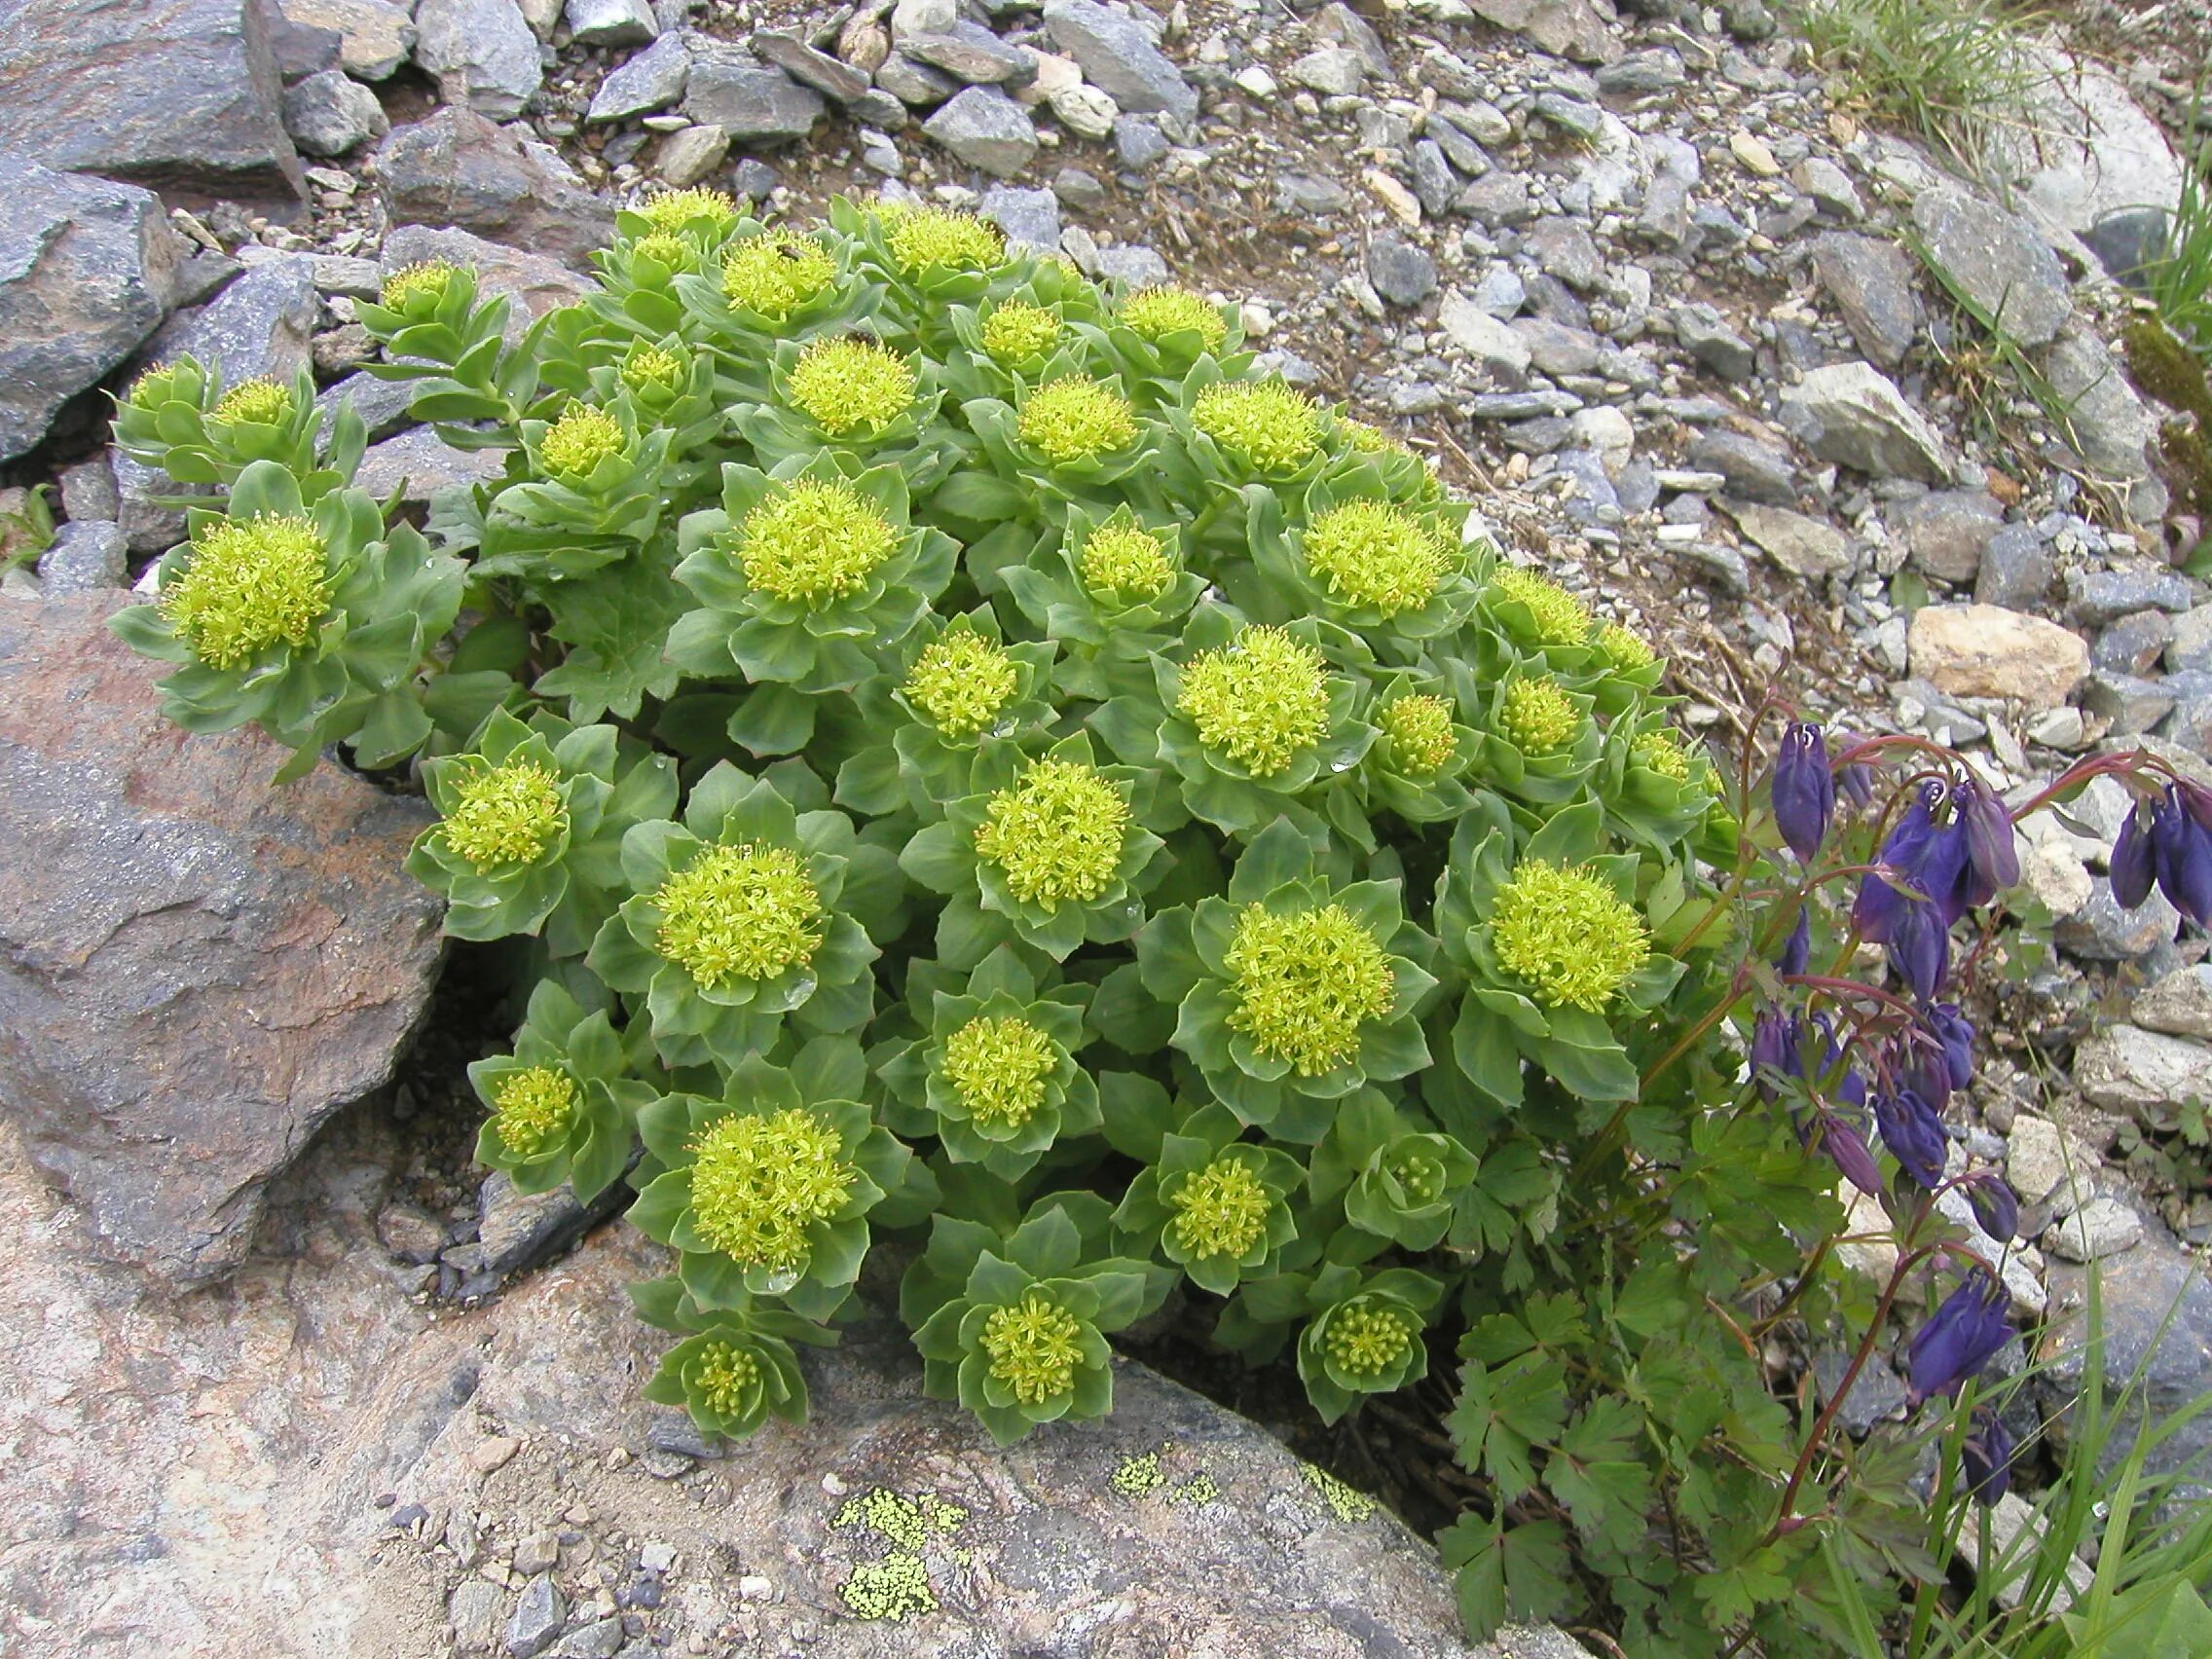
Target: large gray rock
(2082,148)
(196,970)
(419,466)
(1852,414)
(2108,430)
(175,94)
(1998,260)
(753,102)
(1584,30)
(374,36)
(611,23)
(1120,56)
(651,81)
(484,1425)
(458,168)
(482,53)
(85,556)
(1871,281)
(2125,1068)
(332,114)
(87,270)
(985,128)
(1947,532)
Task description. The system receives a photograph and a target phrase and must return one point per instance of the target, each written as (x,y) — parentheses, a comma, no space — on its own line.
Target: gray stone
(1482,335)
(1435,185)
(1877,1392)
(1131,263)
(1117,54)
(1558,350)
(1497,199)
(1566,28)
(1138,143)
(828,76)
(2107,425)
(1030,218)
(2180,1004)
(2096,596)
(1806,547)
(914,84)
(2133,644)
(1571,116)
(472,1615)
(2127,705)
(85,556)
(2128,244)
(164,899)
(418,466)
(520,1229)
(1853,414)
(1871,281)
(754,179)
(1665,218)
(2191,644)
(690,155)
(458,168)
(482,53)
(2100,1228)
(2016,569)
(1465,155)
(332,114)
(651,81)
(602,1640)
(753,102)
(301,50)
(1947,532)
(1653,70)
(1402,274)
(1756,471)
(922,17)
(1829,186)
(1080,190)
(87,270)
(611,23)
(539,1612)
(260,327)
(374,36)
(2190,722)
(88,491)
(1565,249)
(2081,148)
(1501,292)
(985,128)
(1333,71)
(1997,260)
(172,93)
(973,55)
(1705,336)
(878,109)
(2125,1068)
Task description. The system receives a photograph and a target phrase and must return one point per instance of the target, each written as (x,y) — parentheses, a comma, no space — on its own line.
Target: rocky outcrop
(196,969)
(457,169)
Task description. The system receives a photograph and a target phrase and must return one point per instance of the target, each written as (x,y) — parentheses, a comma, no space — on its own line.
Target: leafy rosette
(1356,447)
(1069,434)
(1555,952)
(530,828)
(1021,1339)
(312,621)
(734,1369)
(564,1104)
(994,1074)
(1629,670)
(928,258)
(1395,574)
(1397,1179)
(596,475)
(1236,432)
(710,215)
(432,328)
(1657,788)
(1048,851)
(1418,763)
(735,922)
(1214,1204)
(1540,621)
(180,418)
(1537,741)
(1111,589)
(849,391)
(666,384)
(1006,342)
(1292,991)
(805,575)
(766,1190)
(963,689)
(1365,1336)
(1157,332)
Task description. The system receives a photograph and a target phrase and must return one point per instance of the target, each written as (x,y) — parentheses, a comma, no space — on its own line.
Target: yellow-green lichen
(1138,1475)
(1347,1503)
(1197,1491)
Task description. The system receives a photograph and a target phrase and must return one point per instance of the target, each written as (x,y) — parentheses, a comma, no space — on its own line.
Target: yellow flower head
(727,1378)
(850,385)
(1561,618)
(813,541)
(1258,700)
(252,583)
(673,209)
(998,1067)
(254,402)
(507,815)
(415,290)
(576,443)
(1306,984)
(1378,555)
(776,272)
(1017,332)
(937,238)
(739,912)
(759,1182)
(1220,1210)
(1126,563)
(664,247)
(533,1108)
(1034,1348)
(1625,649)
(1367,1340)
(654,368)
(1077,418)
(961,681)
(1661,750)
(1154,313)
(1537,716)
(1418,731)
(1263,423)
(1058,834)
(1568,935)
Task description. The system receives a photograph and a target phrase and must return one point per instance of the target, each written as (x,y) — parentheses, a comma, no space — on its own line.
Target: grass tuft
(1950,70)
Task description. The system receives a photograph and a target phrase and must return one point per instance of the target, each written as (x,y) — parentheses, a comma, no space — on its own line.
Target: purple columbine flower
(1913,1133)
(1797,949)
(2133,867)
(1985,1457)
(1842,1140)
(1993,856)
(1938,1053)
(1995,1206)
(1881,899)
(1803,789)
(1960,1337)
(2181,853)
(1920,948)
(1774,1047)
(1856,781)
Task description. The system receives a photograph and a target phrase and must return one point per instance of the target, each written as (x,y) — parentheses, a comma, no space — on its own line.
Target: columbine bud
(1985,1457)
(1797,953)
(1077,418)
(1881,900)
(1803,789)
(1920,948)
(1846,1144)
(1940,1058)
(2132,865)
(1263,423)
(1378,555)
(1992,856)
(1306,984)
(1995,1206)
(1913,1133)
(849,385)
(1960,1337)
(1775,1041)
(1856,781)
(1259,700)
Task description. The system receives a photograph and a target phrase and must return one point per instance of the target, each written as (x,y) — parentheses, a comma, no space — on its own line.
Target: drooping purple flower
(1774,1047)
(1842,1140)
(1985,1457)
(1995,1206)
(1920,948)
(1993,855)
(1857,779)
(1797,949)
(1881,897)
(1960,1337)
(1913,1133)
(2181,855)
(1954,1032)
(1938,1056)
(1843,1084)
(2133,868)
(1803,789)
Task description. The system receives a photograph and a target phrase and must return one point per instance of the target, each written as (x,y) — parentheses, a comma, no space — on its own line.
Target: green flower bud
(533,1108)
(1662,751)
(1018,332)
(1263,423)
(582,437)
(1034,1348)
(507,815)
(1259,700)
(758,1183)
(1306,984)
(1367,438)
(1537,716)
(1568,934)
(849,383)
(1222,1211)
(1562,619)
(1125,562)
(1367,1340)
(256,402)
(961,681)
(1418,731)
(1077,418)
(160,386)
(1625,649)
(664,247)
(813,541)
(416,290)
(249,585)
(654,368)
(998,1067)
(775,273)
(725,1376)
(932,238)
(739,912)
(1154,313)
(1378,555)
(673,209)
(1058,834)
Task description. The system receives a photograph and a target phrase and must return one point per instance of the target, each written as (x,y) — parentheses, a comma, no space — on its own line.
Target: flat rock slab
(175,94)
(1983,650)
(196,970)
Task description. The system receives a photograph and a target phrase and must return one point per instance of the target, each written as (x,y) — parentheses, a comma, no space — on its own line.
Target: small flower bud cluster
(739,912)
(961,681)
(1222,1211)
(1258,700)
(775,273)
(1056,834)
(533,1108)
(813,541)
(1568,934)
(507,815)
(1561,618)
(758,1183)
(576,443)
(1537,716)
(1418,731)
(939,238)
(998,1067)
(1368,1341)
(1156,312)
(1034,1348)
(1124,561)
(254,402)
(1018,332)
(1306,984)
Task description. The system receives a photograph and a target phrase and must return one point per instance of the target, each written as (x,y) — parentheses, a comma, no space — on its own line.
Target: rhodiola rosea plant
(964,756)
